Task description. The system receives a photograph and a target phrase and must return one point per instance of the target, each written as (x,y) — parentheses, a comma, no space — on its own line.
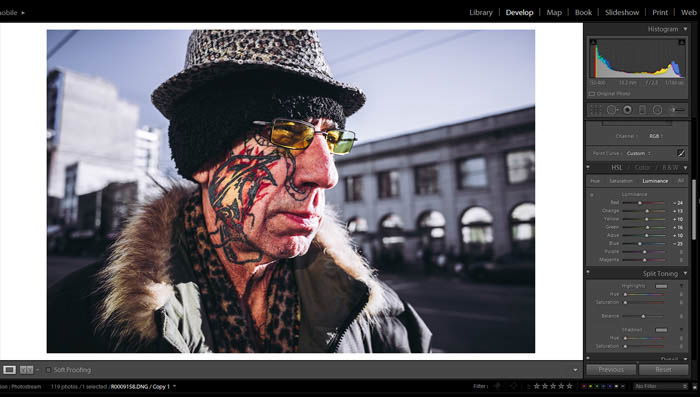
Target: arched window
(477,232)
(431,228)
(391,230)
(357,224)
(392,243)
(522,226)
(358,229)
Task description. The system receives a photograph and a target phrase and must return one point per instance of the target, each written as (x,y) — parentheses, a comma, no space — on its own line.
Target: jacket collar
(330,299)
(150,290)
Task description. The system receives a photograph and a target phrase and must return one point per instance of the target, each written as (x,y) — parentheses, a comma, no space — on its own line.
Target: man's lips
(302,220)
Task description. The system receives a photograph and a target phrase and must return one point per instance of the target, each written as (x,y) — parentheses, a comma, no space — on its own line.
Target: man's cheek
(256,213)
(228,198)
(261,193)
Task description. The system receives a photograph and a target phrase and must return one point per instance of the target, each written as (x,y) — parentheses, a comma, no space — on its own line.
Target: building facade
(99,162)
(93,141)
(88,123)
(465,190)
(147,161)
(93,222)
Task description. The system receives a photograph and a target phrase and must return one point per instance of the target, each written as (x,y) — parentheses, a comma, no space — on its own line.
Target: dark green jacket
(144,297)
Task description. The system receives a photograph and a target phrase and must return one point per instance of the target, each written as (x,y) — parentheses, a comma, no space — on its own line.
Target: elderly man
(251,260)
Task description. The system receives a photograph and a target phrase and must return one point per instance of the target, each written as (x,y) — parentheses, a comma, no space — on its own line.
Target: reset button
(663,369)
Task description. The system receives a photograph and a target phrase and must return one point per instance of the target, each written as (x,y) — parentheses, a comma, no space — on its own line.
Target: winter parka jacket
(144,297)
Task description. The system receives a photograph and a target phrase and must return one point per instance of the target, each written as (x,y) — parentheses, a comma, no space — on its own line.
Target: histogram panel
(638,58)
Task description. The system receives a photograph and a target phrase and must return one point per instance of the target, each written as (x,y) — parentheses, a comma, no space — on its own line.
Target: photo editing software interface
(430,280)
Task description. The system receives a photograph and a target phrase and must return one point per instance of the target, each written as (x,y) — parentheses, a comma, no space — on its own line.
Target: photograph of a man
(251,260)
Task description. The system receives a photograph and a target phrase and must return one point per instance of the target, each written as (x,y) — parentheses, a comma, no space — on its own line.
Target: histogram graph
(637,58)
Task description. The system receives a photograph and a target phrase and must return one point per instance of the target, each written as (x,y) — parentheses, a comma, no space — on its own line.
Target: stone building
(466,189)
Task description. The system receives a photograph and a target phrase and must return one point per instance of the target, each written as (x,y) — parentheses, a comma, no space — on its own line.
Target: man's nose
(315,166)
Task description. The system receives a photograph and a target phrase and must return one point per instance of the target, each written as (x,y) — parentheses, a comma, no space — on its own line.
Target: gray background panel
(637,153)
(614,233)
(619,320)
(620,133)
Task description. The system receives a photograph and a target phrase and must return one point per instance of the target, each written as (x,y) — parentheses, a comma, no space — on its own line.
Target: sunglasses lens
(332,138)
(341,142)
(291,135)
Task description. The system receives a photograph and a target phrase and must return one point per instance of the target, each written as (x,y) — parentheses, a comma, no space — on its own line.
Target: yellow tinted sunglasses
(298,135)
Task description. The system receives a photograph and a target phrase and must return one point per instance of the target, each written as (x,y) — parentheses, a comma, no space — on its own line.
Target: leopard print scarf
(232,328)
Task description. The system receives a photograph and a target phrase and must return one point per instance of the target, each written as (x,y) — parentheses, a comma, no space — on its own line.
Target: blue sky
(413,79)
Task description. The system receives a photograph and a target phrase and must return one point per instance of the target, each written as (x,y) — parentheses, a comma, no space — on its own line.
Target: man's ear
(202,176)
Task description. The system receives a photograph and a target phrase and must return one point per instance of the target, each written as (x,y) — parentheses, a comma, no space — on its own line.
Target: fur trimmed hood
(137,279)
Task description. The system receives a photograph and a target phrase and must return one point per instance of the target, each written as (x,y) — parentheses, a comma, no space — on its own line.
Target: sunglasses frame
(313,127)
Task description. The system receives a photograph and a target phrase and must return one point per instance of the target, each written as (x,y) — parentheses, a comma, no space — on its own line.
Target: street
(468,317)
(61,266)
(465,317)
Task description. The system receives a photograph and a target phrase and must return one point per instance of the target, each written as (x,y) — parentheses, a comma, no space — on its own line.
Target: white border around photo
(559,249)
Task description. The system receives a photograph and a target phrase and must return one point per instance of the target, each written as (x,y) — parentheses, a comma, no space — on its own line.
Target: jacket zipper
(351,318)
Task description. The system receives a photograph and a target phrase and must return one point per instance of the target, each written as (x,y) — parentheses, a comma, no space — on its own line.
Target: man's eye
(333,136)
(286,138)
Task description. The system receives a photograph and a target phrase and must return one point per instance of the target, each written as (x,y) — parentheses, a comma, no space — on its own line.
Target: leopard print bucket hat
(212,54)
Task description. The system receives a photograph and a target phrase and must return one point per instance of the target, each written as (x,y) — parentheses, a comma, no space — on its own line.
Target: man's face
(268,201)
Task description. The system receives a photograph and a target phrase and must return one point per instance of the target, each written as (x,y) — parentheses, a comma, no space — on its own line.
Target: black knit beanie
(208,122)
